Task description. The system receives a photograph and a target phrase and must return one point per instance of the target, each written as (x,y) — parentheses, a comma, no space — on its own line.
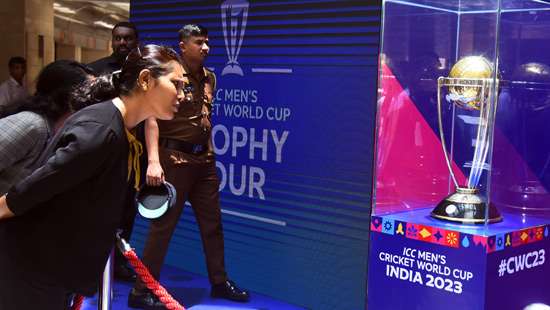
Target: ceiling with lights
(103,14)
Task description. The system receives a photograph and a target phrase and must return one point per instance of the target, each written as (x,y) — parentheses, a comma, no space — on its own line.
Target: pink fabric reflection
(410,172)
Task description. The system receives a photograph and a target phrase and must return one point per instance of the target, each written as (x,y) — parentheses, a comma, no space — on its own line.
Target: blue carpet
(193,292)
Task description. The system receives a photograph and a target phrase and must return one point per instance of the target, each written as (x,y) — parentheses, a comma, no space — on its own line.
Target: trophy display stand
(444,232)
(461,190)
(459,251)
(419,262)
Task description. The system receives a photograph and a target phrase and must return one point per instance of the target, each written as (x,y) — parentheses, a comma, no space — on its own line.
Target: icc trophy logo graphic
(234,16)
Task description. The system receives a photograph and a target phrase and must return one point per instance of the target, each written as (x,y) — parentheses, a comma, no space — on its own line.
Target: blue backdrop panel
(294,115)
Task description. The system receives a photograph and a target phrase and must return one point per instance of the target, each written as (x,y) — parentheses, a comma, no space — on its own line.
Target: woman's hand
(155,174)
(5,212)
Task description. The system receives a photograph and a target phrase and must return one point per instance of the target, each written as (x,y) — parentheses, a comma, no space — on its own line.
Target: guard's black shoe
(229,290)
(124,273)
(144,300)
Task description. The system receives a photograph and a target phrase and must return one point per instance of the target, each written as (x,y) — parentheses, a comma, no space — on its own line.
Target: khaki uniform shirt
(192,123)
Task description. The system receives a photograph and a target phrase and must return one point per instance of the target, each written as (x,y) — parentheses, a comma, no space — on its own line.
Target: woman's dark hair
(54,87)
(152,57)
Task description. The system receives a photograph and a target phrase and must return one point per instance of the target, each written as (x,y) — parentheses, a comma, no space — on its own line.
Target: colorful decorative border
(457,239)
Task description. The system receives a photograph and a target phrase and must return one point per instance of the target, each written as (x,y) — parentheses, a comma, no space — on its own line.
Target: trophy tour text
(240,103)
(255,145)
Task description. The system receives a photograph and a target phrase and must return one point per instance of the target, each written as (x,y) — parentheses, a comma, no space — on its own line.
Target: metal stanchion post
(105,292)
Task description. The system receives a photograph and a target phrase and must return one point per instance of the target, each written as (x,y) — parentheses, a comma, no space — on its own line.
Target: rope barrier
(144,274)
(78,300)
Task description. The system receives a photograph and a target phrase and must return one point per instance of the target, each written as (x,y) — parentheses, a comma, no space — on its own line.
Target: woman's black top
(67,211)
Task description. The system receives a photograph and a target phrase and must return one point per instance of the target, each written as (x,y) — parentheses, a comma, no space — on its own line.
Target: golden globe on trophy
(470,86)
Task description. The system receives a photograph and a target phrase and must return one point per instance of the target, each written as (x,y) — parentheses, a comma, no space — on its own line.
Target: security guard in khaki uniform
(180,151)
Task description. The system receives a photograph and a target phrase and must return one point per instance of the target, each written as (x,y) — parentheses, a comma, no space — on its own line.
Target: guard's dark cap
(153,201)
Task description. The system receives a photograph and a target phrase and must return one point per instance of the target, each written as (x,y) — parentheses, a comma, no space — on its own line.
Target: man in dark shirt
(181,150)
(124,39)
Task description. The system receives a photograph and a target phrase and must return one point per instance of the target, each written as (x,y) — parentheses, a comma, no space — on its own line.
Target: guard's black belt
(182,146)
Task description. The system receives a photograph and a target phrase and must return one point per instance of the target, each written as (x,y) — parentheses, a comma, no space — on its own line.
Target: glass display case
(463,154)
(498,144)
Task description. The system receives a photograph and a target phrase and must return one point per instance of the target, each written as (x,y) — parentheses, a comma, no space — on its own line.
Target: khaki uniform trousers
(198,183)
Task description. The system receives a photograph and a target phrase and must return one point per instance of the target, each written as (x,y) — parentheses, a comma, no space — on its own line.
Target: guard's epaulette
(212,77)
